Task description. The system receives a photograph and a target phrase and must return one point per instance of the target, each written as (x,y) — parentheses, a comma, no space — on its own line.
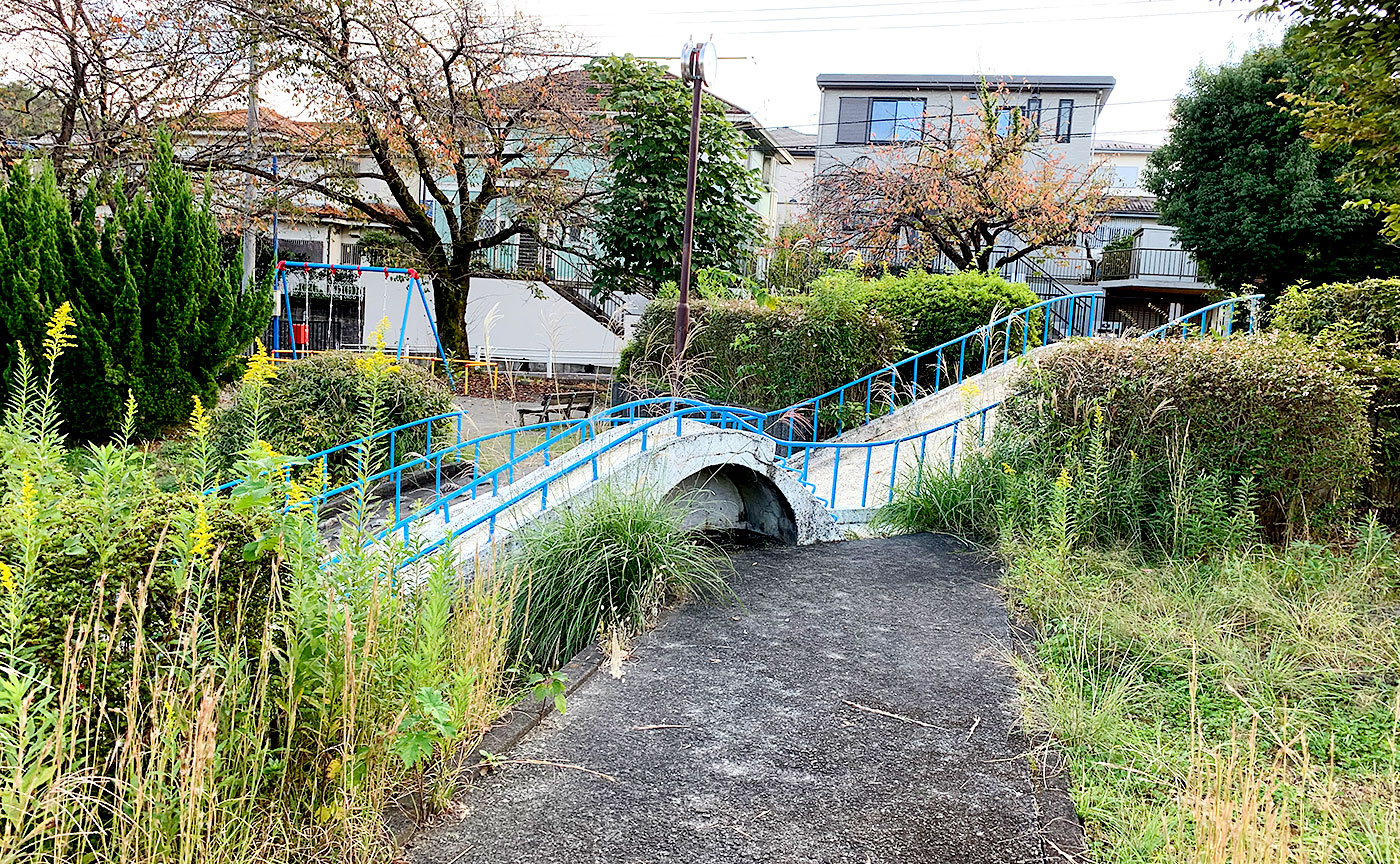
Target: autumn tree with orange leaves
(981,193)
(455,126)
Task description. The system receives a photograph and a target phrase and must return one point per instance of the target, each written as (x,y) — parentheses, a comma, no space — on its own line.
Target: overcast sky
(1150,46)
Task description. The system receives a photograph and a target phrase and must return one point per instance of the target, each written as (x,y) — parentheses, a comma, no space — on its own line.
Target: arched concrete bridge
(786,474)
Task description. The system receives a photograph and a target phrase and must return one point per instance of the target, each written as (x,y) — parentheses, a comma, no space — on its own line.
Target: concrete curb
(512,726)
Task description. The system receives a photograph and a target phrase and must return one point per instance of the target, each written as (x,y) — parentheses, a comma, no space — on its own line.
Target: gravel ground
(754,732)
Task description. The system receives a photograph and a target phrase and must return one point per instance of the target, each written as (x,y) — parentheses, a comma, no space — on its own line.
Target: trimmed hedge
(747,354)
(322,401)
(1268,408)
(929,308)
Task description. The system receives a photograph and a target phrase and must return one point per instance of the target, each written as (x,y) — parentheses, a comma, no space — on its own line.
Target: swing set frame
(414,288)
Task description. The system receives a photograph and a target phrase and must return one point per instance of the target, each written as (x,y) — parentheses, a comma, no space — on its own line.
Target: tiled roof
(1122,147)
(795,142)
(1131,205)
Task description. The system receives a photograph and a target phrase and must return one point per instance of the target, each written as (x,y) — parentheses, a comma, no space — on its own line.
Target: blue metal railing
(809,460)
(1217,317)
(947,365)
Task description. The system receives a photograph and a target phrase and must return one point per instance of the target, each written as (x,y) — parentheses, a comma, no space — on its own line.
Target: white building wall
(790,187)
(509,319)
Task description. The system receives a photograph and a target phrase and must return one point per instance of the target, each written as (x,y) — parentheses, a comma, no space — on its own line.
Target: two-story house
(532,304)
(862,115)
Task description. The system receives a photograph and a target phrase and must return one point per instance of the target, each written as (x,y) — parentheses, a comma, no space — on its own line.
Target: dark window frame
(1033,107)
(1064,121)
(896,121)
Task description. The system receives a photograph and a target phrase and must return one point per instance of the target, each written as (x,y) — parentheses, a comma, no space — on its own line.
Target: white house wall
(516,320)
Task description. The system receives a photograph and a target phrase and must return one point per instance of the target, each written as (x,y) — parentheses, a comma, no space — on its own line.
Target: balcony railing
(1140,263)
(531,261)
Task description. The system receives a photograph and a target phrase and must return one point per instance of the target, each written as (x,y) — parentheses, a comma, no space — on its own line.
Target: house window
(1125,176)
(310,251)
(1033,114)
(853,120)
(1064,121)
(896,120)
(350,254)
(1004,118)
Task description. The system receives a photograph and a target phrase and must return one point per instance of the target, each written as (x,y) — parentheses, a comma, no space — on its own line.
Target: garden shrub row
(929,308)
(1268,411)
(325,400)
(1357,324)
(767,355)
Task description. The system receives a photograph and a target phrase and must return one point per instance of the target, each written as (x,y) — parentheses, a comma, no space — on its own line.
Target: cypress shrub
(159,313)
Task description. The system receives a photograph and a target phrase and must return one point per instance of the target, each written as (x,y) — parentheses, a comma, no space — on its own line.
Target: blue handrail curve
(900,380)
(1224,319)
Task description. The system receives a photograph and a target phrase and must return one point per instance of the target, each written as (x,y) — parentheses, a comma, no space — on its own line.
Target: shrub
(744,353)
(158,313)
(1358,325)
(1269,410)
(323,401)
(605,568)
(930,308)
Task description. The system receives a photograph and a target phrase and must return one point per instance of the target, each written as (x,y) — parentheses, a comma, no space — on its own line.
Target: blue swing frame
(415,286)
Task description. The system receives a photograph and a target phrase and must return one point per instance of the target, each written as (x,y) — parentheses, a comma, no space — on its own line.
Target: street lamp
(698,62)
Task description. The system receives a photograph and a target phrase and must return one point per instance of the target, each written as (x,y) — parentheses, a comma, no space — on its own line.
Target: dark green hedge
(929,308)
(1270,408)
(743,353)
(1357,324)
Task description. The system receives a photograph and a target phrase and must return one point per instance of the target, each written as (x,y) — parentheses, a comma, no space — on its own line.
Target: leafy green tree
(640,216)
(1247,193)
(1351,49)
(158,313)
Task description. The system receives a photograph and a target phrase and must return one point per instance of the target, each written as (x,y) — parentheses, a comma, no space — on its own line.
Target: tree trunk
(450,306)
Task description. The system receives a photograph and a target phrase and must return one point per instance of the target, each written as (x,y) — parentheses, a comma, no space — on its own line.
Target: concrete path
(755,732)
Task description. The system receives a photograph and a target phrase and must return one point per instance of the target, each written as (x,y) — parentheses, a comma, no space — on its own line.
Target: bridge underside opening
(733,498)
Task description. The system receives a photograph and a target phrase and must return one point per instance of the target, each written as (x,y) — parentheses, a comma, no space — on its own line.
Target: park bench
(561,405)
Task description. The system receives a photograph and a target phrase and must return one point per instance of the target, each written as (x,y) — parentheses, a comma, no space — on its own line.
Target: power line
(831,6)
(973,10)
(946,25)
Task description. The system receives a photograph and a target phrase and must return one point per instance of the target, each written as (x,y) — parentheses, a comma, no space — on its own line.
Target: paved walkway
(754,732)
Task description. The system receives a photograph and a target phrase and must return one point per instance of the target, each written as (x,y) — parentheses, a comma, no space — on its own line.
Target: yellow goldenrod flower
(1132,454)
(377,361)
(28,497)
(1098,414)
(199,419)
(263,450)
(970,391)
(296,495)
(7,579)
(60,325)
(1063,481)
(260,367)
(202,537)
(1008,470)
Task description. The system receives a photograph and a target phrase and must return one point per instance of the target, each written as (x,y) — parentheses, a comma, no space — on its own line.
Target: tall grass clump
(605,568)
(184,677)
(1222,691)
